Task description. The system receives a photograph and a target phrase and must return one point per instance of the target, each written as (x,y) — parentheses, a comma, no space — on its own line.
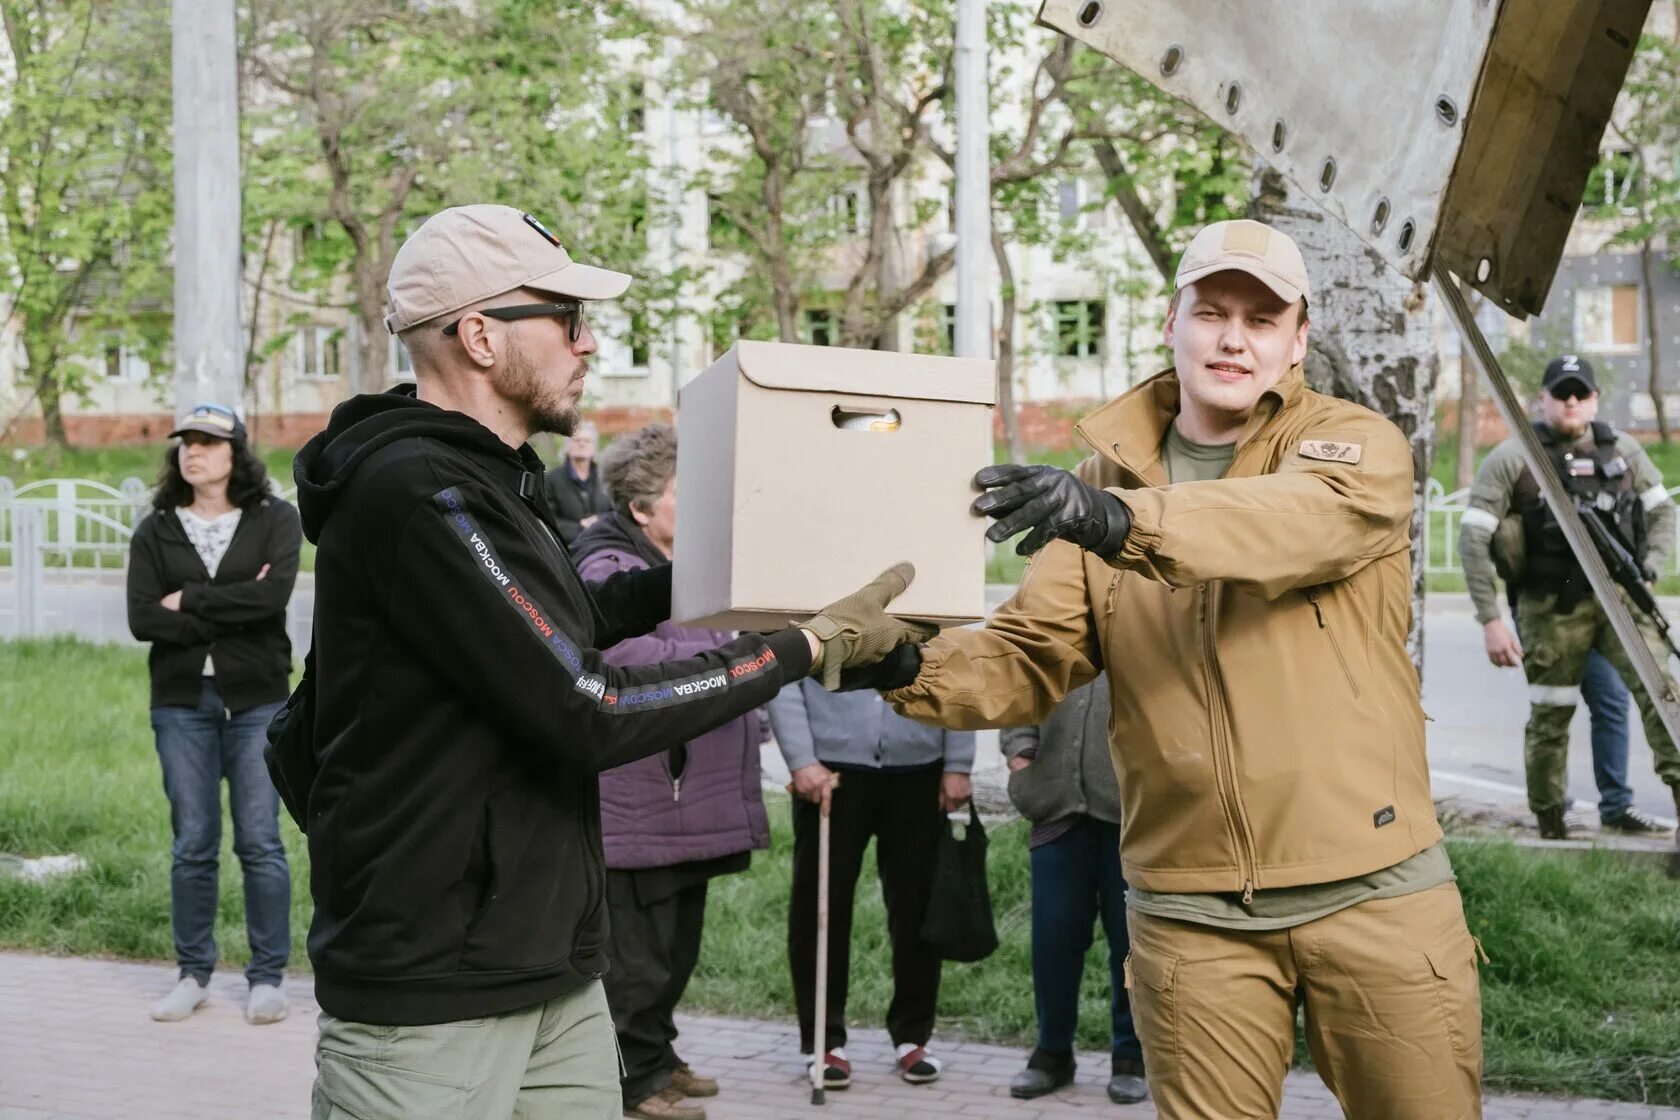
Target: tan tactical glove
(858,631)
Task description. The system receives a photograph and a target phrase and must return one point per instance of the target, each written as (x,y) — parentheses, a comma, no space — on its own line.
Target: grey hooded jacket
(1071,771)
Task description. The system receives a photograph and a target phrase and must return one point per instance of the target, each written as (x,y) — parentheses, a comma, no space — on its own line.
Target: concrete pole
(974,204)
(209,346)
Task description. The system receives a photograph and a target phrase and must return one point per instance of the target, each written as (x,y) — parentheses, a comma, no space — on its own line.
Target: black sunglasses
(572,309)
(1570,391)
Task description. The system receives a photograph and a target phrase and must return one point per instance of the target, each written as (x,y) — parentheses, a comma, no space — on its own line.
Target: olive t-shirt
(1280,907)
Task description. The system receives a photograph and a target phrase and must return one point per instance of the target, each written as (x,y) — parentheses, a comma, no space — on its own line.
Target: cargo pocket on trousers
(401,1073)
(1457,980)
(1152,982)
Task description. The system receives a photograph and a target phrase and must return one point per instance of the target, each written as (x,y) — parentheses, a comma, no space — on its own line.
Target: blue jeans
(198,747)
(1606,698)
(1075,878)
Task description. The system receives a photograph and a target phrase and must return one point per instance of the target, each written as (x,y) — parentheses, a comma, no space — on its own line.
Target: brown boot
(1551,824)
(691,1084)
(667,1104)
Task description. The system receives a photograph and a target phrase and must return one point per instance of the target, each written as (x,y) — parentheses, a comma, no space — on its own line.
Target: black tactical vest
(1603,479)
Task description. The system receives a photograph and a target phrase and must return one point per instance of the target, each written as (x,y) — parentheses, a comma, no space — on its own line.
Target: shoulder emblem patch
(1330,451)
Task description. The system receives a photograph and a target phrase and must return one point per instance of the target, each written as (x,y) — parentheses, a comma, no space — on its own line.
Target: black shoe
(1633,823)
(837,1071)
(1127,1088)
(1552,826)
(1126,1084)
(1045,1073)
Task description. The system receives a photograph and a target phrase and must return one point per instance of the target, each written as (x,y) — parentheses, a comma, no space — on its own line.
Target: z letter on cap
(1331,452)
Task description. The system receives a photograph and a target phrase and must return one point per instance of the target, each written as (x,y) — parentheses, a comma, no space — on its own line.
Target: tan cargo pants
(554,1061)
(1393,1011)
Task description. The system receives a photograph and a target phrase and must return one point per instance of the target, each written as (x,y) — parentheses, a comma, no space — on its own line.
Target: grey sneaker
(267,1004)
(187,996)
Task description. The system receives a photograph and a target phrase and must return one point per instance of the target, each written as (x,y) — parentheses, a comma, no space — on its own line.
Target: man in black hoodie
(462,712)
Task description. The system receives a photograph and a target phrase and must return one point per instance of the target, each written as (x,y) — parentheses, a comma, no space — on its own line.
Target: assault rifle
(1624,570)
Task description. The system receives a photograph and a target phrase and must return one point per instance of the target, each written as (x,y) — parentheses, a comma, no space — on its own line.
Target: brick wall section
(289,429)
(1045,426)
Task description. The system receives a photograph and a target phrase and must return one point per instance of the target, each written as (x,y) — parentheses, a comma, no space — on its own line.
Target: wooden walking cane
(819,1062)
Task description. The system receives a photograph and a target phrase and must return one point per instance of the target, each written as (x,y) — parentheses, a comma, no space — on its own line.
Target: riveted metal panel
(1464,128)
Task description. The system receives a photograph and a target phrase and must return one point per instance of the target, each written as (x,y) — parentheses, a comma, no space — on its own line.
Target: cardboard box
(804,471)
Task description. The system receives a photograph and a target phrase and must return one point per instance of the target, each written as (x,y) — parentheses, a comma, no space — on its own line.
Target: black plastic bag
(959,924)
(290,753)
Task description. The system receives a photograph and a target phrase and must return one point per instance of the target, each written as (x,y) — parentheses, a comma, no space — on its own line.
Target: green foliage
(1524,366)
(367,116)
(86,208)
(818,115)
(1637,187)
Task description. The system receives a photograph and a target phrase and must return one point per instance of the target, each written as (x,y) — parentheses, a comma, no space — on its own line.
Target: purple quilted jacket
(651,817)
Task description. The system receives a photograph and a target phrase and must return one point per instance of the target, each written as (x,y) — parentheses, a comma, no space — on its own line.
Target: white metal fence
(64,553)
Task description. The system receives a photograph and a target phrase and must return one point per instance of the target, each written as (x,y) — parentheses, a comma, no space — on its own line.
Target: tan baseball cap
(1266,254)
(466,254)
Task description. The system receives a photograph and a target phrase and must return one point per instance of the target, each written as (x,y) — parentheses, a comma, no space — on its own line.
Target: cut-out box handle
(865,420)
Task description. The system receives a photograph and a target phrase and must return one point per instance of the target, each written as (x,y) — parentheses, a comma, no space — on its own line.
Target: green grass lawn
(1582,995)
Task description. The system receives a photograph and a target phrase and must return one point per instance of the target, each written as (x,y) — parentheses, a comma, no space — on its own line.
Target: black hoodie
(463,713)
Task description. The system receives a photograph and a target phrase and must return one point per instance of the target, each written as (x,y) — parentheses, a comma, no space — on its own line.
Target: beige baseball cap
(1266,254)
(466,254)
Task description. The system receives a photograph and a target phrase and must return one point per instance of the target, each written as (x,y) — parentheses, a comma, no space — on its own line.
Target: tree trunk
(1006,350)
(49,394)
(1652,338)
(1469,405)
(1371,341)
(1124,189)
(784,299)
(886,273)
(373,341)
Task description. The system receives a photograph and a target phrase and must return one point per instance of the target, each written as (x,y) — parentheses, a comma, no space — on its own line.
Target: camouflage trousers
(1555,647)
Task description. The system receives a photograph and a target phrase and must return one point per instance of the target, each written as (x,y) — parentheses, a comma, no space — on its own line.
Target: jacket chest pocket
(1326,623)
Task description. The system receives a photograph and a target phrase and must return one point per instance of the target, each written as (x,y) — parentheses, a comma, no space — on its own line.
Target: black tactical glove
(897,670)
(1052,503)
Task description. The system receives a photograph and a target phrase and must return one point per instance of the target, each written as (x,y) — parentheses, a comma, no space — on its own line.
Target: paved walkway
(75,1042)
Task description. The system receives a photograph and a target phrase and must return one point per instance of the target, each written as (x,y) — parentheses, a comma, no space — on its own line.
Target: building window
(123,364)
(639,336)
(1096,205)
(321,351)
(819,326)
(1611,182)
(948,326)
(400,367)
(1079,328)
(849,211)
(1081,204)
(1607,319)
(713,120)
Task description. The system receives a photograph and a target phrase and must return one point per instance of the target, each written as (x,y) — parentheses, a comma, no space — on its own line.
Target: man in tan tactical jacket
(1245,580)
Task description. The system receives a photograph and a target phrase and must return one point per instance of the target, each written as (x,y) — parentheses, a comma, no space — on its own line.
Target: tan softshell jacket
(1266,724)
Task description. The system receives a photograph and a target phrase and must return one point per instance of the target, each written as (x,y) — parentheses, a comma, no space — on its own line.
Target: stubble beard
(519,381)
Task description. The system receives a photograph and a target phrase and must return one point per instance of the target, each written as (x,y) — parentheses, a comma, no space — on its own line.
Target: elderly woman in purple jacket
(671,822)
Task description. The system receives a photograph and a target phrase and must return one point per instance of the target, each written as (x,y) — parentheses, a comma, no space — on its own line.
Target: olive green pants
(1555,647)
(1393,1011)
(555,1061)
